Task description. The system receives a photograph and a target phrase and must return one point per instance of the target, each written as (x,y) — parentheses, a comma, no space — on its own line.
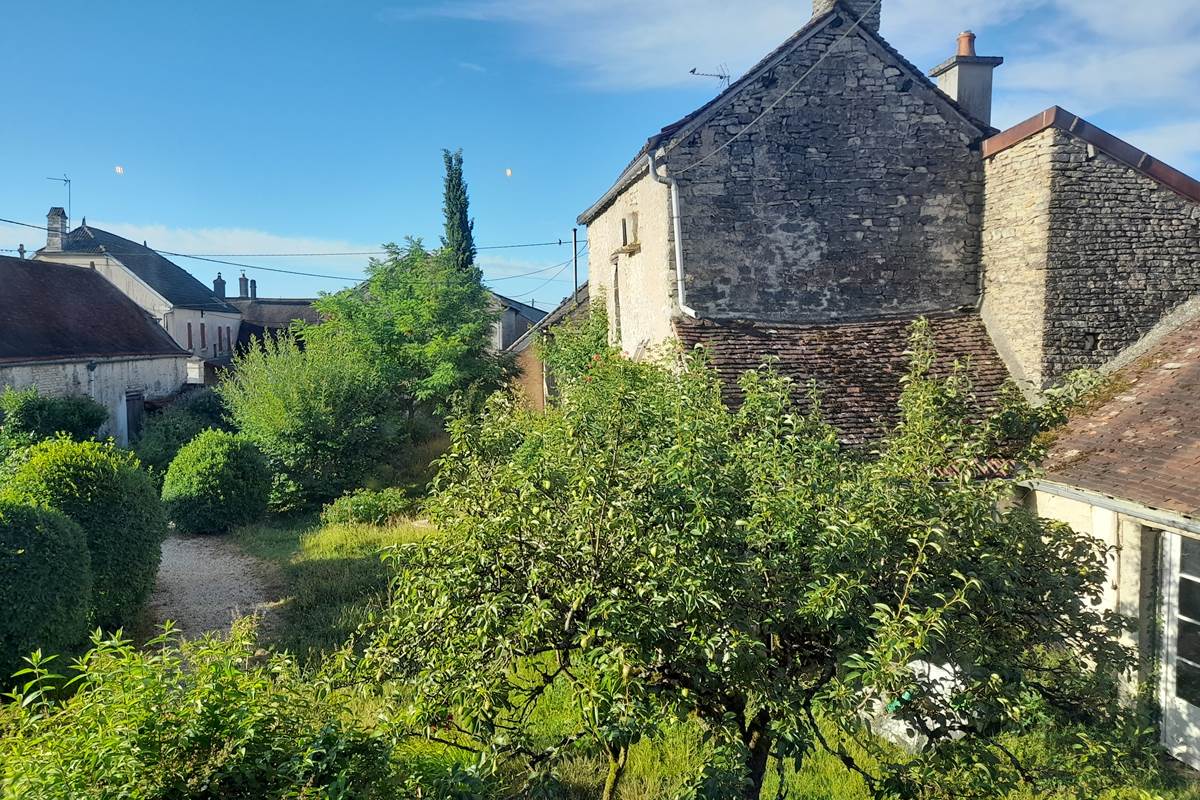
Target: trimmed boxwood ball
(219,480)
(104,489)
(45,584)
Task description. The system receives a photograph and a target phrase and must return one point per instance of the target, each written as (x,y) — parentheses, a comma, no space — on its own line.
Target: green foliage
(459,236)
(104,489)
(26,413)
(45,584)
(319,414)
(422,322)
(570,348)
(176,720)
(164,434)
(370,507)
(653,555)
(218,481)
(207,405)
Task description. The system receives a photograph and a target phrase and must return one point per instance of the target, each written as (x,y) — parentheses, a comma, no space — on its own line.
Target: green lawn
(334,575)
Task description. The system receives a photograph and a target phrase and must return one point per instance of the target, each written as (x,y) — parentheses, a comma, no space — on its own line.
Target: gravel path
(204,582)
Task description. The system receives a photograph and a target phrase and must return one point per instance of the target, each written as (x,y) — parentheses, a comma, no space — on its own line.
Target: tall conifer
(459,237)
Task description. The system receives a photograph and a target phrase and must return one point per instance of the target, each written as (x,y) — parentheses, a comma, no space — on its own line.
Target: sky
(316,126)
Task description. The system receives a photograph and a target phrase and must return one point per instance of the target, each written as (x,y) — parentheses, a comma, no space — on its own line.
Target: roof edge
(1139,160)
(556,314)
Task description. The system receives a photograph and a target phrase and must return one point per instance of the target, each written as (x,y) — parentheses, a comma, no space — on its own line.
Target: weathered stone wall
(1123,251)
(859,194)
(637,283)
(1016,232)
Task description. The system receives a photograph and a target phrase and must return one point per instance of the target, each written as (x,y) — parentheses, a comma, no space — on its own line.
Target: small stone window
(629,229)
(1091,342)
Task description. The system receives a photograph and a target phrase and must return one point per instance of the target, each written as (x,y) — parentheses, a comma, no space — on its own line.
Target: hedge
(219,480)
(45,584)
(165,433)
(104,490)
(29,413)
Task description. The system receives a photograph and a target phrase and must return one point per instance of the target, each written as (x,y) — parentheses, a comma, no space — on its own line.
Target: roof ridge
(1058,117)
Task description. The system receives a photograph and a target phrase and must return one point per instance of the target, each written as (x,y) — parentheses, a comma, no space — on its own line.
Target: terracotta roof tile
(1143,444)
(856,366)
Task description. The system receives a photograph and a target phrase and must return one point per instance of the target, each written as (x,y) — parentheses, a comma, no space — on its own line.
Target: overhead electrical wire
(560,266)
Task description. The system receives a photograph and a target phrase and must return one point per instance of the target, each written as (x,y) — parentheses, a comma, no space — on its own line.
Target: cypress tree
(459,237)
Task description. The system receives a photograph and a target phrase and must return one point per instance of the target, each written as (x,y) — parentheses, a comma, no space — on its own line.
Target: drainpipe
(674,185)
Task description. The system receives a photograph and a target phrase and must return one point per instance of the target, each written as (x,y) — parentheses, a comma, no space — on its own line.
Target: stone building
(833,194)
(66,330)
(199,320)
(534,381)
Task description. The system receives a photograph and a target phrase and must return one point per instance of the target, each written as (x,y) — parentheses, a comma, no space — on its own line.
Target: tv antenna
(65,181)
(722,74)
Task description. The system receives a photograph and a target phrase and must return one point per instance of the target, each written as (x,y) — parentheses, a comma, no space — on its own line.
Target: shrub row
(26,413)
(79,545)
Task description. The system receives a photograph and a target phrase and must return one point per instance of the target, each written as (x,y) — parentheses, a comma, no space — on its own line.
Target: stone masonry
(1123,251)
(858,196)
(1082,255)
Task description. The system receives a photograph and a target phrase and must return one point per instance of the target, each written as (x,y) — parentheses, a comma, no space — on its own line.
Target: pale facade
(632,266)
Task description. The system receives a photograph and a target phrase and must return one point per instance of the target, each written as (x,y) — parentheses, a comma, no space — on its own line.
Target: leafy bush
(319,413)
(207,405)
(187,721)
(219,480)
(27,412)
(45,584)
(164,434)
(649,554)
(104,490)
(370,507)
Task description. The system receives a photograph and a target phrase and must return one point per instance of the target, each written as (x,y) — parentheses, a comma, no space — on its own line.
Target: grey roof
(54,311)
(564,309)
(167,278)
(530,313)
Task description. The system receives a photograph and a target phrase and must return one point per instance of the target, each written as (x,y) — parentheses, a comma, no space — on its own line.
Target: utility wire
(857,24)
(241,265)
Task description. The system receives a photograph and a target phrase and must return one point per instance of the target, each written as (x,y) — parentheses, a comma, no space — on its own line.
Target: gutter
(1156,517)
(678,231)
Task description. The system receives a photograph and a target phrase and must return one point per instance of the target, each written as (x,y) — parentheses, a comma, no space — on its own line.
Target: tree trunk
(616,768)
(758,752)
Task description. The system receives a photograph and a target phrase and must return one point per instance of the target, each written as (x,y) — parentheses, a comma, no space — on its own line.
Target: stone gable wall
(1124,250)
(1016,233)
(860,194)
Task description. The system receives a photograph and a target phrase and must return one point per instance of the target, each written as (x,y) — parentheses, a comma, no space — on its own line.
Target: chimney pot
(21,250)
(243,286)
(219,286)
(966,44)
(56,229)
(967,78)
(253,289)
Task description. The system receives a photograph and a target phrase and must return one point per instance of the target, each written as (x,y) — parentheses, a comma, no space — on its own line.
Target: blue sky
(317,126)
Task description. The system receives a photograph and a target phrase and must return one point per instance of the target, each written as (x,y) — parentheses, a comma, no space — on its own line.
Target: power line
(857,24)
(543,284)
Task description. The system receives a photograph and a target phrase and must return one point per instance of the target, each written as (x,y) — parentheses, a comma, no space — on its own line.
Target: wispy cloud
(471,66)
(1089,55)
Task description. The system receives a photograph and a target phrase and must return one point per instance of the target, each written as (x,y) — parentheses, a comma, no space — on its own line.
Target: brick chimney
(967,78)
(853,8)
(56,229)
(218,287)
(243,286)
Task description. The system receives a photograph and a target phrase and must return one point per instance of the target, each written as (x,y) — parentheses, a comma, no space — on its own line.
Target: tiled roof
(857,366)
(839,14)
(167,278)
(263,315)
(1144,444)
(54,311)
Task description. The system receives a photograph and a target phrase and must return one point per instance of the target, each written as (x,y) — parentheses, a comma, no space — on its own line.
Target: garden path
(204,582)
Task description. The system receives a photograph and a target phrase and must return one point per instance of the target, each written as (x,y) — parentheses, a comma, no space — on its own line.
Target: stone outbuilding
(67,330)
